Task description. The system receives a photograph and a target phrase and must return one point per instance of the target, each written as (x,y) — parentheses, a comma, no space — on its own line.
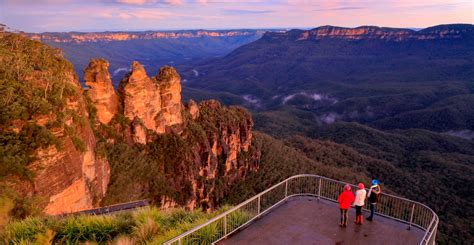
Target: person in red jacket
(345,199)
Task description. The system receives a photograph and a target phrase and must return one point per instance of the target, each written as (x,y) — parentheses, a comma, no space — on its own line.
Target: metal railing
(412,213)
(119,207)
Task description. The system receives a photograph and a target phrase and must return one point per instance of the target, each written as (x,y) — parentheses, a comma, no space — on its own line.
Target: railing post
(286,189)
(258,208)
(319,189)
(411,216)
(225,225)
(433,236)
(179,241)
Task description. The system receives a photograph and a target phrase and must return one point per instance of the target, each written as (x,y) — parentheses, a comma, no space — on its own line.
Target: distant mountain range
(384,77)
(81,37)
(151,48)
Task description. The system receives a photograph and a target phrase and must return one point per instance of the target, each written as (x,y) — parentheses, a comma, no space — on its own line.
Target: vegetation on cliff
(201,161)
(169,165)
(32,84)
(41,117)
(50,150)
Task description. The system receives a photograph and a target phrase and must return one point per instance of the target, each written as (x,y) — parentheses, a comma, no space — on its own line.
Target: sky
(135,15)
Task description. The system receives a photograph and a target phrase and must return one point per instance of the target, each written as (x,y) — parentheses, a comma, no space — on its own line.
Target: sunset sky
(112,15)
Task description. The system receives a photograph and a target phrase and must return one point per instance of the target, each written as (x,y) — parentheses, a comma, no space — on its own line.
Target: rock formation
(193,109)
(141,101)
(152,103)
(226,145)
(101,91)
(196,151)
(170,92)
(201,162)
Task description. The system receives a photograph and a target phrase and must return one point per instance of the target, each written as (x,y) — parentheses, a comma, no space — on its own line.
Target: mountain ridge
(448,31)
(80,37)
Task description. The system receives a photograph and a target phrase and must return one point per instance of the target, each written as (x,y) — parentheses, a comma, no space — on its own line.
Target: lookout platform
(305,220)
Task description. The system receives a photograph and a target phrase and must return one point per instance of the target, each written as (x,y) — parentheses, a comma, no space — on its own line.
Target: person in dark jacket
(345,199)
(373,196)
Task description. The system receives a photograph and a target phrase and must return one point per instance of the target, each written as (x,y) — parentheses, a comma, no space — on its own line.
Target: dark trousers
(344,216)
(372,210)
(358,210)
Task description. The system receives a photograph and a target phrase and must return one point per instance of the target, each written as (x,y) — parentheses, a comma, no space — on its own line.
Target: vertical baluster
(258,205)
(397,208)
(225,225)
(389,210)
(319,189)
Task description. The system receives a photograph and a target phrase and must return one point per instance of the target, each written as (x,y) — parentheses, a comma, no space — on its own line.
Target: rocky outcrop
(141,101)
(170,92)
(193,109)
(151,103)
(101,91)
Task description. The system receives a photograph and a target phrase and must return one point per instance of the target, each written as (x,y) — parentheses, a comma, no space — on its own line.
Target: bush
(146,225)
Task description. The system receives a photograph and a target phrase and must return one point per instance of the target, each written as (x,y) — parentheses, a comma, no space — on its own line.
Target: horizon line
(226,29)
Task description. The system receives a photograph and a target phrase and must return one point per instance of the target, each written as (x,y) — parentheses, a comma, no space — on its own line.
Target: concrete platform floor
(304,220)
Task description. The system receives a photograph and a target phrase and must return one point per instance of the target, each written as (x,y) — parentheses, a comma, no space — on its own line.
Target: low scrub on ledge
(147,225)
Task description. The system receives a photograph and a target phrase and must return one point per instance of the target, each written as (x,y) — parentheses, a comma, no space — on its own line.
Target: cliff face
(149,35)
(373,32)
(45,120)
(193,167)
(219,159)
(57,141)
(195,152)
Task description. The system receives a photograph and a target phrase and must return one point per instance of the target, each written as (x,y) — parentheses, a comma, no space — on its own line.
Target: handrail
(118,207)
(390,206)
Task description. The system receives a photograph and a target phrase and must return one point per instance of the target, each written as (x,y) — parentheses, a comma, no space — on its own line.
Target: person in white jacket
(359,202)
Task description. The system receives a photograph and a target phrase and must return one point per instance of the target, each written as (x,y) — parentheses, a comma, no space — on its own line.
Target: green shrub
(146,225)
(24,230)
(79,144)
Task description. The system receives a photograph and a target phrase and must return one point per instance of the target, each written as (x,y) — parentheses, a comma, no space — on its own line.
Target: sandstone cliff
(148,35)
(48,146)
(57,141)
(373,32)
(183,155)
(193,167)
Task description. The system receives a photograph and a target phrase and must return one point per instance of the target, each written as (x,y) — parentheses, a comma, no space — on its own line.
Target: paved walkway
(304,220)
